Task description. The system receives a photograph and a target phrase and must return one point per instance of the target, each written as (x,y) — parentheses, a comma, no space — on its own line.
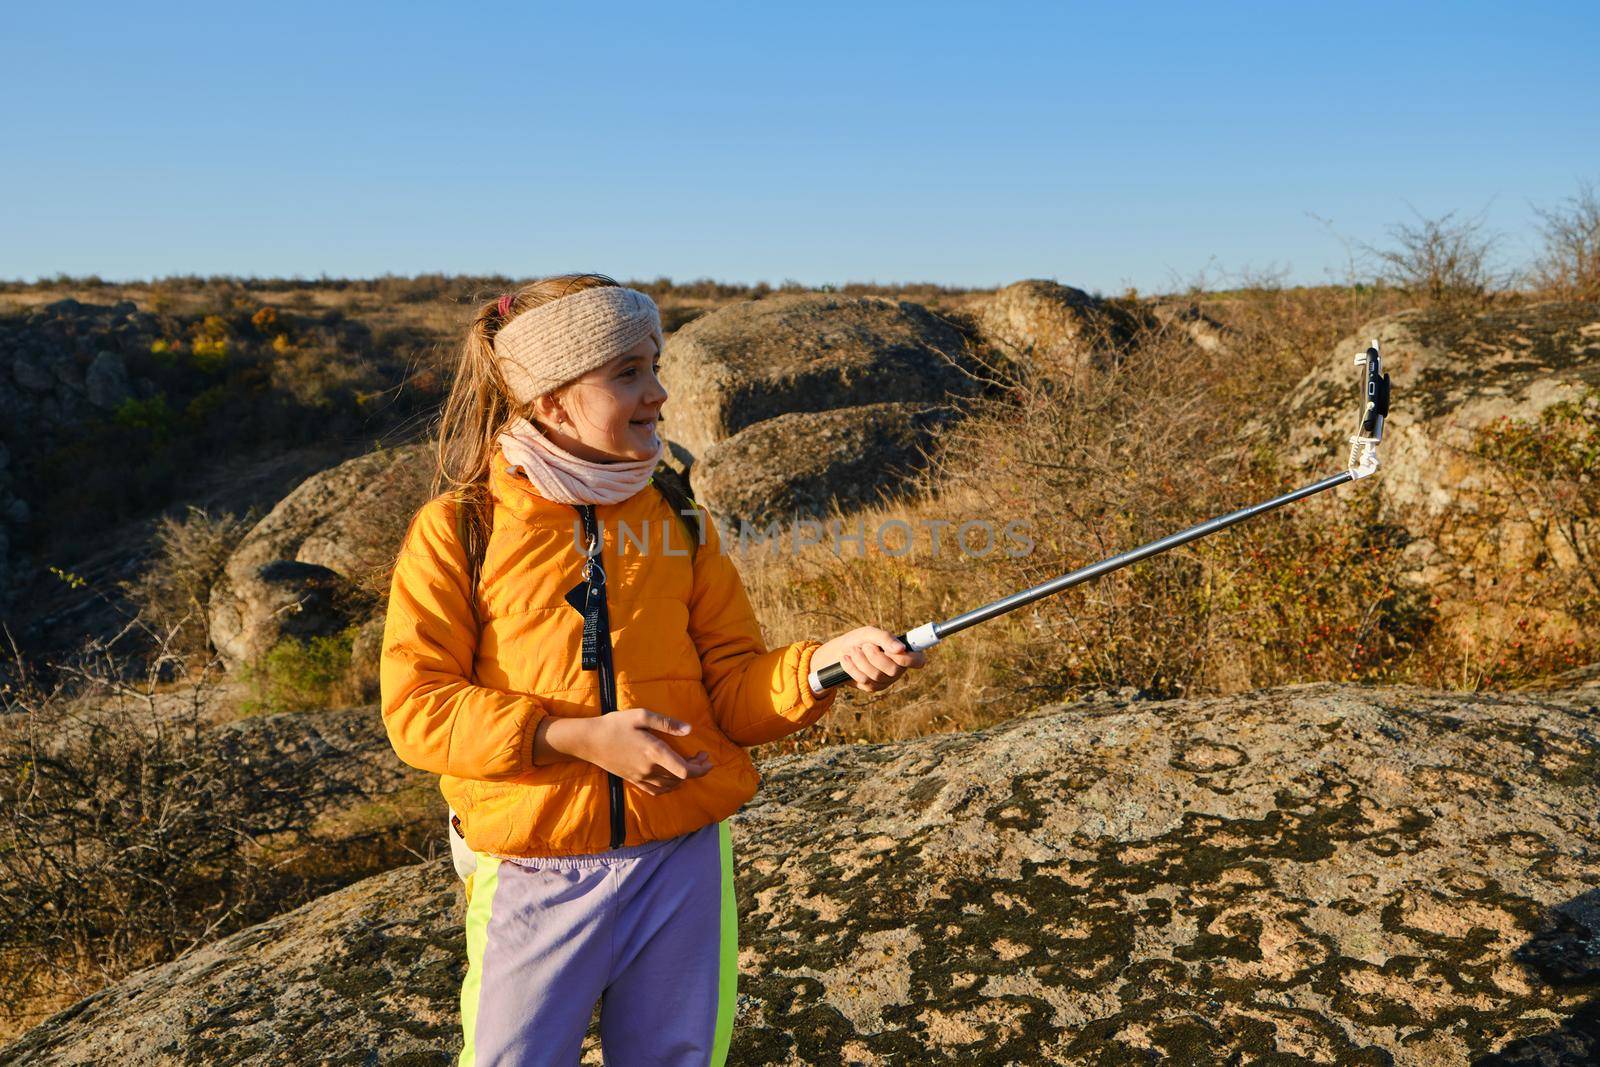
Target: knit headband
(546,347)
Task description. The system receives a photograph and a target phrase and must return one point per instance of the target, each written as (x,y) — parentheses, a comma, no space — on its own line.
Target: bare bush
(172,592)
(1570,263)
(1443,259)
(133,830)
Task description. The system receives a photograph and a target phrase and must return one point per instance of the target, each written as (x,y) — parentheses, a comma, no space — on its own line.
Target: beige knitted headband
(546,347)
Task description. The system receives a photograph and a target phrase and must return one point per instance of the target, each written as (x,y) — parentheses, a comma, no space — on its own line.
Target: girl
(587,695)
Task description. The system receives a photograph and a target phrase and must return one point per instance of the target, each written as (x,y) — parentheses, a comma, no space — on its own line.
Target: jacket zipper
(601,624)
(608,702)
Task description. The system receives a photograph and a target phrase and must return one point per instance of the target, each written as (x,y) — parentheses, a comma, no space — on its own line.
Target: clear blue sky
(972,144)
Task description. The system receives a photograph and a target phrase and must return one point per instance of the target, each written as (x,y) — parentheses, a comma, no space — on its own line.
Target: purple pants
(651,931)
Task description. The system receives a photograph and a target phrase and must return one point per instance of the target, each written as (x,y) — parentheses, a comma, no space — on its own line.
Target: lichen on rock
(1316,873)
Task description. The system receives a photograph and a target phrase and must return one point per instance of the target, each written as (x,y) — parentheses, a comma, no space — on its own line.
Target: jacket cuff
(812,707)
(531,741)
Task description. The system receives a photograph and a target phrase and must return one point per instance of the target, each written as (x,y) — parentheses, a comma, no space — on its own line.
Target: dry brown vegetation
(1093,467)
(134,830)
(1569,265)
(1446,259)
(1159,444)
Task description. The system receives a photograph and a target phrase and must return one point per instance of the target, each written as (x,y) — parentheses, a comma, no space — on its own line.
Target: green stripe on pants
(728,984)
(484,881)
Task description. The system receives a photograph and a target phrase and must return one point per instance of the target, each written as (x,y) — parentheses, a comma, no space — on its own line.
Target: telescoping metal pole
(1363,460)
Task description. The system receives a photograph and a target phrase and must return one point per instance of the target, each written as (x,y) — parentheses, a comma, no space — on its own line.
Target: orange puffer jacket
(463,701)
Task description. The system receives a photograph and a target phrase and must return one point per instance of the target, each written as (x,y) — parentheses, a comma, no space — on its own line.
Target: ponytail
(673,490)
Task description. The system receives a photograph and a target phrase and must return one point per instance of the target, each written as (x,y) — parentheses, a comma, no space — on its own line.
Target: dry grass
(1094,467)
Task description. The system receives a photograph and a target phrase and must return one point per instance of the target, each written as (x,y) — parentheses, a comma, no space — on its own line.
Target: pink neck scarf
(560,476)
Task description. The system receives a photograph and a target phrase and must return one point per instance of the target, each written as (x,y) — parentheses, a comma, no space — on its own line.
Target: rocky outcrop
(298,571)
(1454,375)
(807,464)
(805,352)
(60,365)
(1340,874)
(1320,873)
(66,356)
(1054,330)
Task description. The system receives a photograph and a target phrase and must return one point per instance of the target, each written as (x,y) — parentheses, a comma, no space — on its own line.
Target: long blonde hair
(481,405)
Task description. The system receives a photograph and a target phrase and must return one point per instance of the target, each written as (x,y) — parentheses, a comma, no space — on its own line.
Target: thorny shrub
(1550,468)
(1569,264)
(133,830)
(1442,259)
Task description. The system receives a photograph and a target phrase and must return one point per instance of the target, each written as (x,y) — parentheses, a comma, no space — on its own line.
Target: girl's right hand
(624,743)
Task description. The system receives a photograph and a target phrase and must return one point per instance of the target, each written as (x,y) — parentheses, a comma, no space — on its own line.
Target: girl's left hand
(873,657)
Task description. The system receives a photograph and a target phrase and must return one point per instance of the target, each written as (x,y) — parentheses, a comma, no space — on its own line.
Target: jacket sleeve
(437,720)
(757,695)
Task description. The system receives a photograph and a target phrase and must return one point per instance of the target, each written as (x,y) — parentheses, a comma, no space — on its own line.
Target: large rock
(805,352)
(805,464)
(299,571)
(1054,330)
(1325,874)
(1342,874)
(1454,374)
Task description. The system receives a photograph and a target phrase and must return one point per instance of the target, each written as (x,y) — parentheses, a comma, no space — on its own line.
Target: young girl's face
(611,412)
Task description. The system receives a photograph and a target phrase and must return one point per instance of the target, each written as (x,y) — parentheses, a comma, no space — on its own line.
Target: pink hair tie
(505,305)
